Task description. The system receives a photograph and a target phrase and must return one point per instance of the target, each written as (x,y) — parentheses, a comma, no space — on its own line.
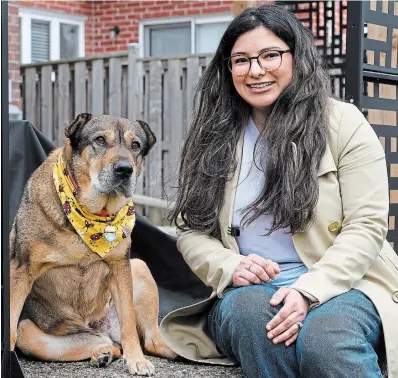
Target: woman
(288,229)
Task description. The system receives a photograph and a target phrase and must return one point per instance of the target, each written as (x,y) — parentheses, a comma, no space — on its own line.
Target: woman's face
(271,83)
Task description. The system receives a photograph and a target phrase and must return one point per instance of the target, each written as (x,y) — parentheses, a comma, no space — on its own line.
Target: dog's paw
(160,349)
(102,357)
(141,367)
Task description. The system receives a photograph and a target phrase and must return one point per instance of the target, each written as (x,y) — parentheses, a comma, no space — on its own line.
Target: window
(182,36)
(47,35)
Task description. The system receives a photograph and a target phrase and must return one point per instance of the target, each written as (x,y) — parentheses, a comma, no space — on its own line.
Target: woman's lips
(260,87)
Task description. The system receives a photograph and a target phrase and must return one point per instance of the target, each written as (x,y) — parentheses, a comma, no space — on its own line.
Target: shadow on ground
(118,369)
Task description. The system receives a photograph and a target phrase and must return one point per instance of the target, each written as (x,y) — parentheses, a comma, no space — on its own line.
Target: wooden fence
(158,91)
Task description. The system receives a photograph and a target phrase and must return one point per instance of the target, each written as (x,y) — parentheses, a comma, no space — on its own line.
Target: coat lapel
(229,200)
(327,163)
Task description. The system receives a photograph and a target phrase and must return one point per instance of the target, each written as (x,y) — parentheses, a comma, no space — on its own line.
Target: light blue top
(279,245)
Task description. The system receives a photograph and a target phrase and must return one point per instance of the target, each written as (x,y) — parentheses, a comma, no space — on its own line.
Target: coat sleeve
(208,259)
(363,183)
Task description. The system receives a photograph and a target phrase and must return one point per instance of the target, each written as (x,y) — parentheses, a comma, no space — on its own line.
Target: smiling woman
(282,209)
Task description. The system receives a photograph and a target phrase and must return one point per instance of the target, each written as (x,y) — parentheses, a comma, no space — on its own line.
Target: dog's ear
(150,137)
(77,123)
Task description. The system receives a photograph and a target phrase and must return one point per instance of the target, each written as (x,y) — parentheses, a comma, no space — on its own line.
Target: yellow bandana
(100,233)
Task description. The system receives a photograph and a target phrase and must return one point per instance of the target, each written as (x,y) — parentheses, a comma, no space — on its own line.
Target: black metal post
(9,365)
(354,55)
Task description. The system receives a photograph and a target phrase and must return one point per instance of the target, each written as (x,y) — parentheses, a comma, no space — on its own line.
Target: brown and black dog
(67,302)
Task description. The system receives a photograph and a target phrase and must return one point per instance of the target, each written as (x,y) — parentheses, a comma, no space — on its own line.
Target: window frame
(164,22)
(55,19)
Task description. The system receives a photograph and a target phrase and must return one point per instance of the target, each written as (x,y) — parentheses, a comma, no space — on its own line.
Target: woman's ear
(77,123)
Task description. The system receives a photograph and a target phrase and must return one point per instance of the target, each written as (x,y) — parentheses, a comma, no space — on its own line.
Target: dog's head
(110,150)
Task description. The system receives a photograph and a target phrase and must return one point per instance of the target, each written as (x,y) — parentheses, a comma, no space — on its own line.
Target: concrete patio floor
(118,369)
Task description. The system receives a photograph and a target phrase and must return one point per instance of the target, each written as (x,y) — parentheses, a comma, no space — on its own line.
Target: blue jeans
(339,339)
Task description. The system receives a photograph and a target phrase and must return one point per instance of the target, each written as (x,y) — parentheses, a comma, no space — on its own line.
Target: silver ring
(250,267)
(299,325)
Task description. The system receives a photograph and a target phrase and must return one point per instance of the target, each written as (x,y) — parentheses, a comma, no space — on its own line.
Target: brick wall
(14,52)
(127,14)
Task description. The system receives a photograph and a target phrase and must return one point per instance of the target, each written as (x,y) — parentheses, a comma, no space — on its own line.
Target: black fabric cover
(178,286)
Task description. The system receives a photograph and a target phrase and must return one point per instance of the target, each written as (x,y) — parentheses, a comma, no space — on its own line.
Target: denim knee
(336,337)
(248,307)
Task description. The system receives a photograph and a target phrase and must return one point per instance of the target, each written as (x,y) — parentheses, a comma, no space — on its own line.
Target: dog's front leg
(20,287)
(121,287)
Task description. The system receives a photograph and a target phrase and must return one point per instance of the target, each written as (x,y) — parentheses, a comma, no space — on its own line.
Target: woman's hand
(254,269)
(283,327)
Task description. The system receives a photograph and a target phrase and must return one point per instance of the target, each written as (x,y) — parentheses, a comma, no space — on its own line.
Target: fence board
(80,88)
(115,87)
(30,102)
(135,99)
(46,121)
(97,87)
(124,92)
(154,177)
(134,73)
(63,102)
(172,120)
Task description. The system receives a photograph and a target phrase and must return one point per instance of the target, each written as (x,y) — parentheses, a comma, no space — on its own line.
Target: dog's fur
(72,299)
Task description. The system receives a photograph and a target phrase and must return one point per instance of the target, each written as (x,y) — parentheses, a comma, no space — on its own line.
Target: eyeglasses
(269,60)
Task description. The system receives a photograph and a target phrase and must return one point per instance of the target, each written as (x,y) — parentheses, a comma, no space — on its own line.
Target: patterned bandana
(100,232)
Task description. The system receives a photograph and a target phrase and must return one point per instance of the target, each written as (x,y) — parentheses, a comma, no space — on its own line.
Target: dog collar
(101,233)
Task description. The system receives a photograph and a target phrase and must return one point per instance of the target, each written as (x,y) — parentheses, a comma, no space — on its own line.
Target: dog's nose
(123,169)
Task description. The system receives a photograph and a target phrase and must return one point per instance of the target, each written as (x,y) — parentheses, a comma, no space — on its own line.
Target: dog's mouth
(106,183)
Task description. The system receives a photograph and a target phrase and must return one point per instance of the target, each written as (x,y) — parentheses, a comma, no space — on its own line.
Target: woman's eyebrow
(264,49)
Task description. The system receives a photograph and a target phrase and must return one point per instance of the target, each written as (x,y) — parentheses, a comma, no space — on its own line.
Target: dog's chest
(70,249)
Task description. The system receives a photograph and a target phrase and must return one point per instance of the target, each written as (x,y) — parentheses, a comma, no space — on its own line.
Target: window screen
(69,41)
(40,41)
(168,40)
(208,36)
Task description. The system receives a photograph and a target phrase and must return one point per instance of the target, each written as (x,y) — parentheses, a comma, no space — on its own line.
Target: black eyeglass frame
(250,58)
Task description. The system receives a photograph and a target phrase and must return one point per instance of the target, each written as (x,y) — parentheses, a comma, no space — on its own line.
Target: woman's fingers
(260,273)
(254,269)
(286,325)
(286,335)
(270,268)
(239,281)
(249,276)
(292,339)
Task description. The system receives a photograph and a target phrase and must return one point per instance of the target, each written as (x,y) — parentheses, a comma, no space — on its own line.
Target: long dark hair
(295,133)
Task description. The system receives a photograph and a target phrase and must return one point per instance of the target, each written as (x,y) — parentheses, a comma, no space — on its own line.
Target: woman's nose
(256,70)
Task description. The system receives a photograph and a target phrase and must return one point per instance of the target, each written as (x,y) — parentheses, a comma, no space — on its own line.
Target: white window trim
(193,20)
(55,19)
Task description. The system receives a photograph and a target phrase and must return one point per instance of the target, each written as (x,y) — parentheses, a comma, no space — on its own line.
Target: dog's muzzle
(123,169)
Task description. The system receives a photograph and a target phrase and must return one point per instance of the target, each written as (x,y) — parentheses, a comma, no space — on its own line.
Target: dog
(75,293)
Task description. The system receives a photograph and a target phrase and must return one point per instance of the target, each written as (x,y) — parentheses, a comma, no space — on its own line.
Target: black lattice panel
(327,21)
(380,91)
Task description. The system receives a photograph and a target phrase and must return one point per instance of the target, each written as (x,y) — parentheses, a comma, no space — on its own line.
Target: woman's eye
(135,146)
(240,60)
(100,140)
(270,55)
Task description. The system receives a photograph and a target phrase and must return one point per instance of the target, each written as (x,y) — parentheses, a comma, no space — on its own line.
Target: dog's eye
(100,140)
(135,146)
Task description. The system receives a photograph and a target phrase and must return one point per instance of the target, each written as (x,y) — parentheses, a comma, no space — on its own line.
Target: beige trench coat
(345,247)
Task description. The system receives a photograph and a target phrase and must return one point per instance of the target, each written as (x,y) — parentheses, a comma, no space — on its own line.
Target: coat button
(333,227)
(395,297)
